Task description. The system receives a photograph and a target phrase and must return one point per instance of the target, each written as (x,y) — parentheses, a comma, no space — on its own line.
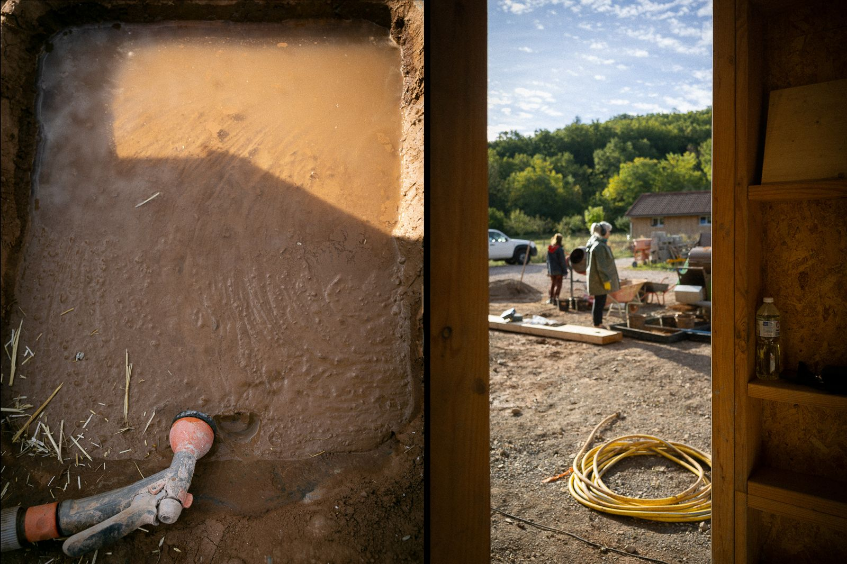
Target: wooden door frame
(457,191)
(456,224)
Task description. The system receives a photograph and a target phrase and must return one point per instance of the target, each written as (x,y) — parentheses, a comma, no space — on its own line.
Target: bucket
(684,321)
(636,321)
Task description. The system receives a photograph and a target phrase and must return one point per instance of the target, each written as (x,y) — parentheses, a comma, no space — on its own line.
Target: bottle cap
(768,300)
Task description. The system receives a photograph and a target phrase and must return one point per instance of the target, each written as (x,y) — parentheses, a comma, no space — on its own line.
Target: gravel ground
(546,396)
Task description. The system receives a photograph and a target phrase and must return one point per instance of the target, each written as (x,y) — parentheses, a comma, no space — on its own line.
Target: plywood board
(565,332)
(807,133)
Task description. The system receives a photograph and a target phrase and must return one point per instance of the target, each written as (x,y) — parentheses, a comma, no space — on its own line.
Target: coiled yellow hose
(587,487)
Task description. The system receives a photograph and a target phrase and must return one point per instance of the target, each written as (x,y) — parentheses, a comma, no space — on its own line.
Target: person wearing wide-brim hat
(602,274)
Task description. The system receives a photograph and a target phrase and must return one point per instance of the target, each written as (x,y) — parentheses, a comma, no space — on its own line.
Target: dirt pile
(512,291)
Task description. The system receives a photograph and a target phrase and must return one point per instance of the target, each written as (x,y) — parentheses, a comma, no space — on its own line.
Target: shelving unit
(811,190)
(787,392)
(779,449)
(799,496)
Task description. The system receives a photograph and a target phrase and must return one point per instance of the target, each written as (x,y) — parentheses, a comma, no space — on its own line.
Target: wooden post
(723,279)
(459,486)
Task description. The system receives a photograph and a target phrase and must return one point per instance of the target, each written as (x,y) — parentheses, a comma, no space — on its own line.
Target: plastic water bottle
(768,352)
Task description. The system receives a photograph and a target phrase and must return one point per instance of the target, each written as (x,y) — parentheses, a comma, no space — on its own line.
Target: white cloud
(621,67)
(619,102)
(704,75)
(551,112)
(516,7)
(640,8)
(706,10)
(636,53)
(538,25)
(524,115)
(599,77)
(586,26)
(525,6)
(526,50)
(625,89)
(598,45)
(692,98)
(597,60)
(535,95)
(666,42)
(655,108)
(498,98)
(507,111)
(679,28)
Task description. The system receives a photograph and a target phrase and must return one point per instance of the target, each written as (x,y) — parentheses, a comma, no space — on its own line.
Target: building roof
(656,204)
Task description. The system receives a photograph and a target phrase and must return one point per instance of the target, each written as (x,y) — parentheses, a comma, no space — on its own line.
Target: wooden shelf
(786,392)
(802,190)
(799,496)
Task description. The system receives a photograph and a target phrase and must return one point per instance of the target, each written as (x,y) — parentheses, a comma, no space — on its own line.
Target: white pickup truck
(513,251)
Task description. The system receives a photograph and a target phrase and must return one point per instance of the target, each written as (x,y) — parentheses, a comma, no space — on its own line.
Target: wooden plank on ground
(565,332)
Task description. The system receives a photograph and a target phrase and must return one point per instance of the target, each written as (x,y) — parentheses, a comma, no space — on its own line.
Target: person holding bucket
(602,274)
(557,267)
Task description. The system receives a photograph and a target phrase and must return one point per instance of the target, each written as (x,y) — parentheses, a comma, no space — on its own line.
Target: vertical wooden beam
(459,486)
(748,254)
(723,283)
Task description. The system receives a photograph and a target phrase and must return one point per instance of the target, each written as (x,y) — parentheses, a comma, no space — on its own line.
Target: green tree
(538,190)
(520,224)
(571,224)
(634,179)
(608,160)
(680,173)
(622,224)
(496,219)
(593,215)
(705,151)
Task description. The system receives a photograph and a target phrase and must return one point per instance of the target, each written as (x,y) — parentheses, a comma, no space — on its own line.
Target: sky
(550,61)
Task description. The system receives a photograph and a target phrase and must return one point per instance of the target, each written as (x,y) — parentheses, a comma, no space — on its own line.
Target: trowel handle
(141,512)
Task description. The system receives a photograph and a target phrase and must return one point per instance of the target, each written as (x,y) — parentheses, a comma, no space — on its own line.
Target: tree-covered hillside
(558,180)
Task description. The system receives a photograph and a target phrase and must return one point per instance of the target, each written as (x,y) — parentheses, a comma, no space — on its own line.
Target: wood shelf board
(794,512)
(566,332)
(800,496)
(806,190)
(787,392)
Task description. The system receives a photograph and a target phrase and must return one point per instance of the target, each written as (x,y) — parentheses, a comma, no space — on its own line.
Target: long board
(566,332)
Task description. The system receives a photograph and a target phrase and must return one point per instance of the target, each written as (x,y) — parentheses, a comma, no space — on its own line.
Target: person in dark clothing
(557,267)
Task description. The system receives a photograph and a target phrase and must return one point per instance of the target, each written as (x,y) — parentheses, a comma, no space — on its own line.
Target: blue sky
(552,60)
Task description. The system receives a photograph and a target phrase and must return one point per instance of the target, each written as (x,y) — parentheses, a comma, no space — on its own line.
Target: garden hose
(587,487)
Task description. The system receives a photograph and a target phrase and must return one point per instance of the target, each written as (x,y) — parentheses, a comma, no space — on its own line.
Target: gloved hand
(607,285)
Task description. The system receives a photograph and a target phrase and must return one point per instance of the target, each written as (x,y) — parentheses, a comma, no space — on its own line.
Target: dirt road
(546,395)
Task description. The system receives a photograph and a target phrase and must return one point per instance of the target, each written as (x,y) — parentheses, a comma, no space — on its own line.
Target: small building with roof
(675,213)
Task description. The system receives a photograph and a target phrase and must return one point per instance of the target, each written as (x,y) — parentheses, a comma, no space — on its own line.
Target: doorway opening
(598,115)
